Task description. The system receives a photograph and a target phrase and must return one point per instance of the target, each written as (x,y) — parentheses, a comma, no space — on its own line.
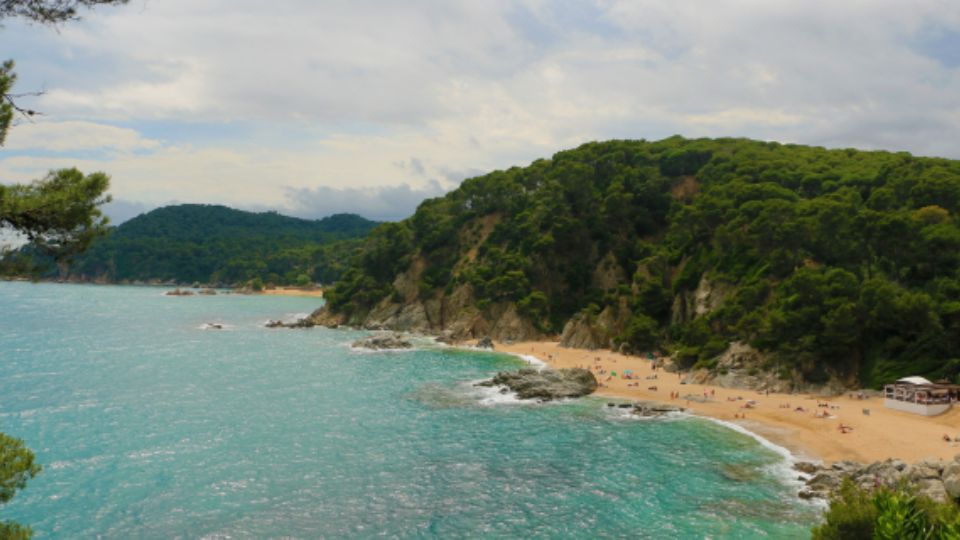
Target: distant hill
(214,244)
(781,264)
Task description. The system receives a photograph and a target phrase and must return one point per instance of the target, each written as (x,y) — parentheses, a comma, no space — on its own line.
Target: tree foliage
(17,466)
(215,244)
(837,262)
(59,214)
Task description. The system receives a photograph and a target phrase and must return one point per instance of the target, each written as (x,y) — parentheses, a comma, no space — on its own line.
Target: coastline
(882,434)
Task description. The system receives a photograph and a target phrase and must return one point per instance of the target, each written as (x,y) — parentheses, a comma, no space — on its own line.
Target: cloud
(74,135)
(332,100)
(390,203)
(119,210)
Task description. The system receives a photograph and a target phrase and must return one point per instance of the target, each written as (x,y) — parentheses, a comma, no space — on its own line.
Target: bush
(888,514)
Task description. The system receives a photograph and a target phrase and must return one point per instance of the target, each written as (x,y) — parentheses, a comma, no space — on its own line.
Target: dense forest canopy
(219,245)
(836,262)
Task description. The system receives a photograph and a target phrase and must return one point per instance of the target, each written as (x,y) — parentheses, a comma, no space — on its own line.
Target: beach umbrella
(628,372)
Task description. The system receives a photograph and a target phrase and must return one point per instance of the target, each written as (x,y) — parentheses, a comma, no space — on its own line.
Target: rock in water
(485,343)
(546,384)
(380,341)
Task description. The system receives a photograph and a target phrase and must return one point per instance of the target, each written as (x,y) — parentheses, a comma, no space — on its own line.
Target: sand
(293,291)
(882,434)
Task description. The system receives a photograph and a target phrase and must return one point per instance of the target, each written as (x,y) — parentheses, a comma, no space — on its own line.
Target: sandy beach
(293,291)
(882,434)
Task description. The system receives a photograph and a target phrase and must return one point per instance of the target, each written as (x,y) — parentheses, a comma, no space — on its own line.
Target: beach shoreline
(292,291)
(785,420)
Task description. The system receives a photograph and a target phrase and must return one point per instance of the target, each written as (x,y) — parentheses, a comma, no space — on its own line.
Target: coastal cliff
(751,263)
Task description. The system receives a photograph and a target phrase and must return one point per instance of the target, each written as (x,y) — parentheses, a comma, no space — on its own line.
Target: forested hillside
(833,263)
(215,244)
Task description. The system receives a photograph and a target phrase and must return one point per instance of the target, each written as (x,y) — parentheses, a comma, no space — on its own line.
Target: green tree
(16,468)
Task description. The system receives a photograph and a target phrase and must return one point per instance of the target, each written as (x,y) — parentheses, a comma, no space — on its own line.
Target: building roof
(914,380)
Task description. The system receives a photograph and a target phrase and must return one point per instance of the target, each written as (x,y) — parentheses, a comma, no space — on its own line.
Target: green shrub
(888,514)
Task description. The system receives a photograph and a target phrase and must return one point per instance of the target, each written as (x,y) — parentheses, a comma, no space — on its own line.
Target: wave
(783,469)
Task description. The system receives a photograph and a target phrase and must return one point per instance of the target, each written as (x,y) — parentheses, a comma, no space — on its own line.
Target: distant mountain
(214,244)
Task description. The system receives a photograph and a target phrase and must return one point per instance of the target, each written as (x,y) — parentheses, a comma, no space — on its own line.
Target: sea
(151,423)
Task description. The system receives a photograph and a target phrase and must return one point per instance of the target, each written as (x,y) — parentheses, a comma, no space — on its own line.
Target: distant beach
(293,291)
(787,419)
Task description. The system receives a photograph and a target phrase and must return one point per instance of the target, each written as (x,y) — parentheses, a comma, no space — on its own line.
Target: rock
(380,342)
(648,409)
(299,323)
(546,384)
(808,494)
(208,292)
(933,488)
(485,343)
(932,463)
(179,292)
(920,471)
(806,467)
(952,484)
(951,469)
(847,466)
(825,481)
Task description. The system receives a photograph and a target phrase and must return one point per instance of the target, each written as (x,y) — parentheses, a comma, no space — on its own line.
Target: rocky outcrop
(379,342)
(299,323)
(546,384)
(707,297)
(648,408)
(588,331)
(742,366)
(453,315)
(179,292)
(930,477)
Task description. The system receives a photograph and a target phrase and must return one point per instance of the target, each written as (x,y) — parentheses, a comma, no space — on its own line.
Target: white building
(920,396)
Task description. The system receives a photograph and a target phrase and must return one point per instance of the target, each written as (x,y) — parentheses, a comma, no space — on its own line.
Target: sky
(312,108)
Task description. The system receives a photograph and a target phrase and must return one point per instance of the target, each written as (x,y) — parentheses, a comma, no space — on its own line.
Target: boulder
(951,482)
(485,343)
(922,471)
(546,384)
(299,323)
(806,467)
(179,292)
(933,488)
(383,341)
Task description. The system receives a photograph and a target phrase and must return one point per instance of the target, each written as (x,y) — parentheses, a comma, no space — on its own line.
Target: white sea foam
(532,360)
(784,468)
(491,396)
(215,326)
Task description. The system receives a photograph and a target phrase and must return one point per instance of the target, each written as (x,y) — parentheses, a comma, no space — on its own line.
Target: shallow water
(150,426)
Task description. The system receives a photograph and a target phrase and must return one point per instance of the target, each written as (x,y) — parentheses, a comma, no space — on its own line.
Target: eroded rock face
(546,384)
(384,341)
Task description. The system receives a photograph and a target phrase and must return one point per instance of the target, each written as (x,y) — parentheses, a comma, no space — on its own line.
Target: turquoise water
(150,426)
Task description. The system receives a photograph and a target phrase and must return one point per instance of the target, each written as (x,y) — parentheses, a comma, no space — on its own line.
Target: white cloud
(76,135)
(334,95)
